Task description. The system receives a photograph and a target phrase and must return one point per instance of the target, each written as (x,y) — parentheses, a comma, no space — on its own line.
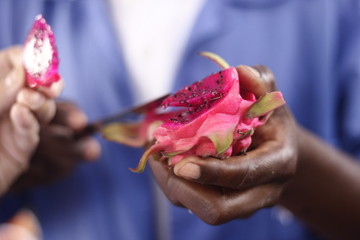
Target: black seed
(215,98)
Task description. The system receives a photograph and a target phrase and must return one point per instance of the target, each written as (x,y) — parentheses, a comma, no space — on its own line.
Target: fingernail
(76,120)
(187,170)
(252,70)
(54,90)
(92,149)
(57,88)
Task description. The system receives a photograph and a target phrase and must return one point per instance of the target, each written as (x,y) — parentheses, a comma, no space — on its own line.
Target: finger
(45,112)
(42,107)
(270,161)
(26,220)
(56,157)
(24,137)
(267,76)
(10,85)
(60,141)
(271,130)
(30,98)
(10,58)
(90,149)
(26,129)
(18,140)
(15,55)
(257,79)
(54,90)
(68,114)
(162,173)
(14,232)
(216,205)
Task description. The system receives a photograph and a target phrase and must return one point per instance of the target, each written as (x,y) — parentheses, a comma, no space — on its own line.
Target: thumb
(257,79)
(9,88)
(12,77)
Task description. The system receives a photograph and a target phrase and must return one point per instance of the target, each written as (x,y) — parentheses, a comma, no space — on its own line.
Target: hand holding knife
(122,116)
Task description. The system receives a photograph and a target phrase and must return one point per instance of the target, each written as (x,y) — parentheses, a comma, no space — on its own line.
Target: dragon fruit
(40,57)
(212,117)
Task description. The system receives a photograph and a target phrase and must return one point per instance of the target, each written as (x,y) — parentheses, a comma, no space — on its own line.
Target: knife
(125,115)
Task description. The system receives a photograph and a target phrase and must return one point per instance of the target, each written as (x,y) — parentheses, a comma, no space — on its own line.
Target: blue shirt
(313,48)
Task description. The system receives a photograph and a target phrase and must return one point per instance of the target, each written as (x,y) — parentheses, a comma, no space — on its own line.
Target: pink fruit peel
(213,117)
(40,56)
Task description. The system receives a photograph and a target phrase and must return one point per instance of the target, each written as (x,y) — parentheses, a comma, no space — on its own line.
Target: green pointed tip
(265,104)
(141,165)
(172,154)
(215,58)
(137,170)
(222,140)
(247,133)
(144,158)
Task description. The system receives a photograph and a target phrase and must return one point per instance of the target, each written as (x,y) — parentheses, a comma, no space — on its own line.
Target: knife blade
(129,114)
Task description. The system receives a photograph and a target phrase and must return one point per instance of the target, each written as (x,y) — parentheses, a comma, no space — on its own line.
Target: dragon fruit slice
(40,57)
(212,117)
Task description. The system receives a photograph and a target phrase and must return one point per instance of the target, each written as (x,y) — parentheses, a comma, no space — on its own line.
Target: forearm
(325,192)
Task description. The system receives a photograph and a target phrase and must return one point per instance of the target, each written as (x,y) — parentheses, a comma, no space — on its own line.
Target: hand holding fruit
(58,150)
(22,110)
(218,191)
(213,117)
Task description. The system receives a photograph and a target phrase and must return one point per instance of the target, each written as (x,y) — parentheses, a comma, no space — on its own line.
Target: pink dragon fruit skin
(40,56)
(214,117)
(212,130)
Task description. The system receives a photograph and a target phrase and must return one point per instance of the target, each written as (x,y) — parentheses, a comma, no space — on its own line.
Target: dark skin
(221,190)
(286,165)
(325,190)
(59,151)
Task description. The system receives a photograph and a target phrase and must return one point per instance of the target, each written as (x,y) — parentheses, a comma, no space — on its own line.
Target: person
(315,60)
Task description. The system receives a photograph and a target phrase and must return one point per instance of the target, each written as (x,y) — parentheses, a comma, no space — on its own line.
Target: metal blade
(127,115)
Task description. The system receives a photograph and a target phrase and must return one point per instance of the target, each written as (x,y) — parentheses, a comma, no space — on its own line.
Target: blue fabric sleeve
(348,66)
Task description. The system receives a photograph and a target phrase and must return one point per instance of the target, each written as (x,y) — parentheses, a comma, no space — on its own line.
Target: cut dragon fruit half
(40,56)
(212,117)
(199,97)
